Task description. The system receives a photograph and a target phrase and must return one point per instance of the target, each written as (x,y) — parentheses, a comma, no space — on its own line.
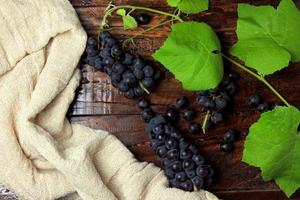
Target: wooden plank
(232,174)
(97,96)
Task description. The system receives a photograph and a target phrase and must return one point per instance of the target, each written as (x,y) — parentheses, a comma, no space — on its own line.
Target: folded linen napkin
(43,156)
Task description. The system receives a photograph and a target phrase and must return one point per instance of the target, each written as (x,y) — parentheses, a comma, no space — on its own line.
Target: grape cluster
(131,74)
(217,100)
(257,102)
(184,167)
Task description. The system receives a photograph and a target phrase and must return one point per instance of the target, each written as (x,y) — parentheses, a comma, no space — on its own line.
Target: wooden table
(99,105)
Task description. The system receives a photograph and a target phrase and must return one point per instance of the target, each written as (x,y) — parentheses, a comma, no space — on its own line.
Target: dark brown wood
(99,105)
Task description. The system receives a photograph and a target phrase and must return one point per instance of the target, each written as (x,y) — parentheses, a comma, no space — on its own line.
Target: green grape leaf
(189,6)
(121,12)
(273,145)
(188,54)
(128,21)
(173,3)
(268,38)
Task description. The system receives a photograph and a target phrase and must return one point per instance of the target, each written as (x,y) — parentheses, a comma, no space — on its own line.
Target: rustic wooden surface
(100,106)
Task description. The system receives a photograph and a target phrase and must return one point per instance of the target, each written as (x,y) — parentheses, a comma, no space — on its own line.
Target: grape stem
(259,77)
(112,9)
(205,121)
(147,30)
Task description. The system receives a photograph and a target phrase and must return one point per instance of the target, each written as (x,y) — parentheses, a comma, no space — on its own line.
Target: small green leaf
(189,6)
(121,12)
(187,53)
(129,22)
(273,145)
(268,39)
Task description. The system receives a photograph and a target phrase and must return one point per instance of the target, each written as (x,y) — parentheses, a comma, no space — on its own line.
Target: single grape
(129,94)
(227,147)
(147,115)
(255,100)
(230,135)
(217,117)
(92,41)
(189,114)
(195,128)
(148,71)
(181,176)
(144,103)
(172,115)
(182,102)
(128,59)
(148,82)
(143,19)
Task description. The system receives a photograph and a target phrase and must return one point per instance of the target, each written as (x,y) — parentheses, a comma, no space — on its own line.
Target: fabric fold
(44,156)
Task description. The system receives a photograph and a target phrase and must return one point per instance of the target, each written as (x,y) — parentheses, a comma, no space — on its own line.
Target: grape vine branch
(112,8)
(259,77)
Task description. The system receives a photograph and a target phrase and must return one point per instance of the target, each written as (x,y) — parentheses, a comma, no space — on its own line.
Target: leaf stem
(114,8)
(147,30)
(259,77)
(205,121)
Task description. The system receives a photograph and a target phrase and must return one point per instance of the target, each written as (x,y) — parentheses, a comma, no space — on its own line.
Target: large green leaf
(189,6)
(268,39)
(187,53)
(273,145)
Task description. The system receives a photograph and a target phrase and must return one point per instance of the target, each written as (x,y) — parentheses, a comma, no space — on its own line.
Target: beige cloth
(42,155)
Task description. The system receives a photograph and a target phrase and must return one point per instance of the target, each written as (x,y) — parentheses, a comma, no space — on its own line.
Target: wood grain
(99,105)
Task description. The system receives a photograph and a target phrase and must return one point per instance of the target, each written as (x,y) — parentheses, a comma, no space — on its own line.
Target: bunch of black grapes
(217,100)
(184,167)
(130,73)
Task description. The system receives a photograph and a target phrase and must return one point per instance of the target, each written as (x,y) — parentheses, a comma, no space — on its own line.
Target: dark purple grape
(217,117)
(198,159)
(263,107)
(182,102)
(148,82)
(185,154)
(255,100)
(92,41)
(116,51)
(129,94)
(195,128)
(171,143)
(146,115)
(118,68)
(108,61)
(144,103)
(189,114)
(148,71)
(138,91)
(230,135)
(173,154)
(172,115)
(187,186)
(181,176)
(188,164)
(128,59)
(202,171)
(139,74)
(162,151)
(143,19)
(226,147)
